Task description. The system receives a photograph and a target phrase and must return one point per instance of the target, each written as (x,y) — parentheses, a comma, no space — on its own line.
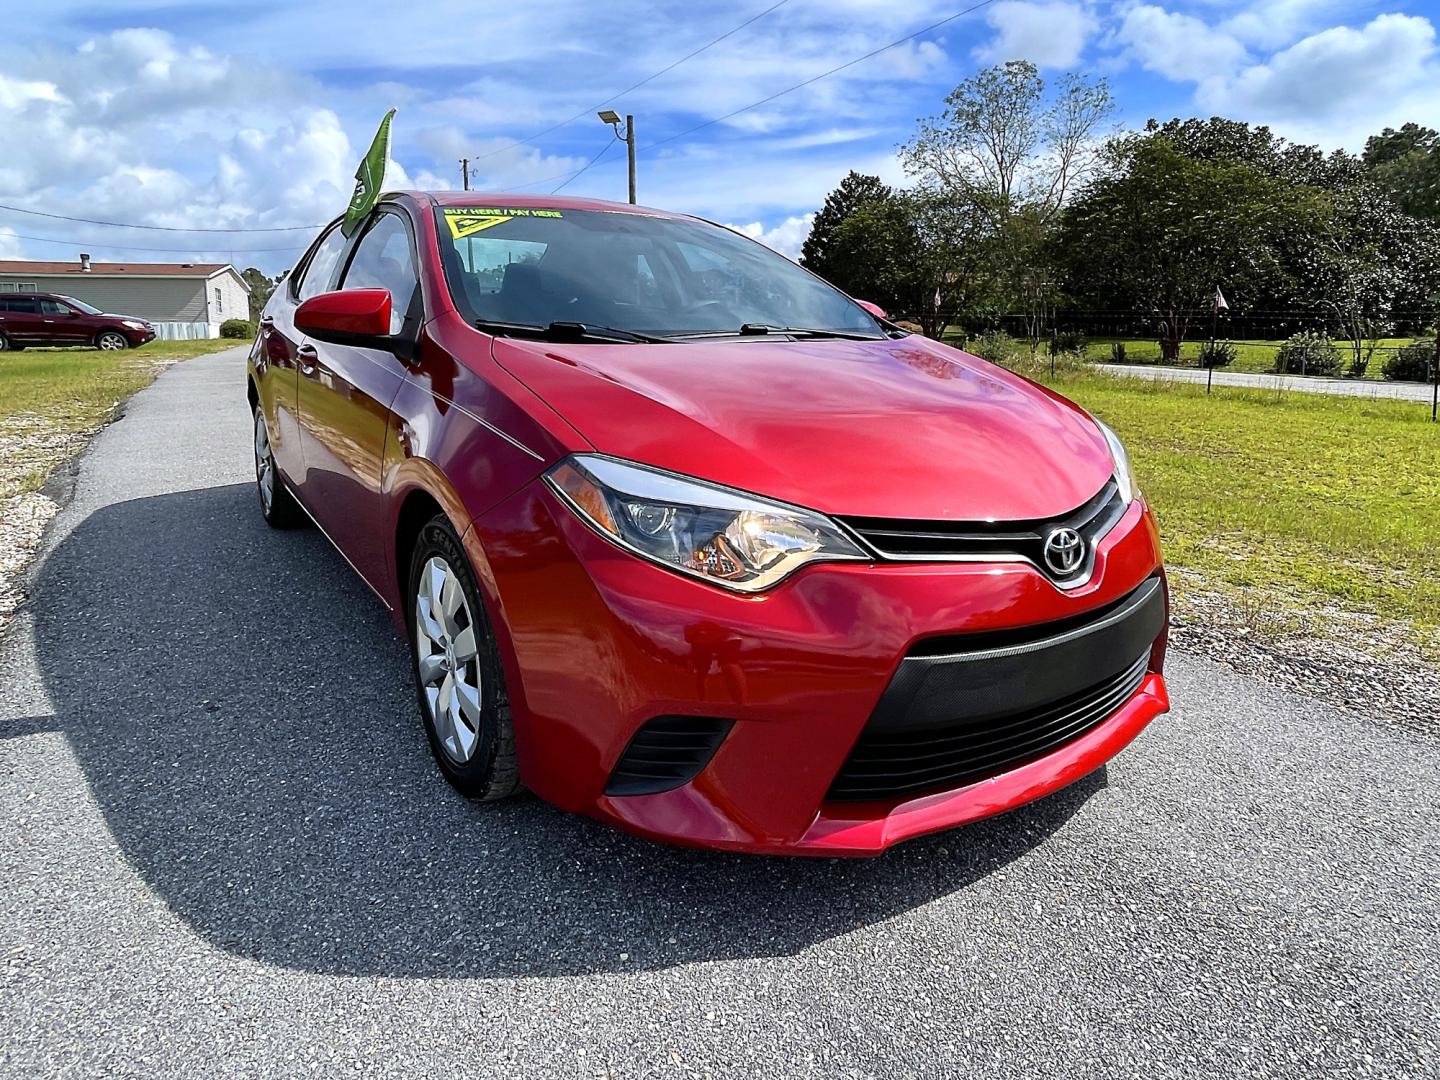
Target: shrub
(1067,341)
(237,328)
(1217,354)
(1411,363)
(1117,352)
(999,348)
(1308,353)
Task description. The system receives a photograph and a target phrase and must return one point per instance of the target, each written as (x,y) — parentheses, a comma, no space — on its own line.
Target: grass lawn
(1307,509)
(48,396)
(1256,356)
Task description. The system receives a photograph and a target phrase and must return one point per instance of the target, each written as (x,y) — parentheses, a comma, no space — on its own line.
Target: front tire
(277,505)
(111,341)
(458,680)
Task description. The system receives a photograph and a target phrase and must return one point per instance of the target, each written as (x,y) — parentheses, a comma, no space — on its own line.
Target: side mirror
(873,309)
(358,317)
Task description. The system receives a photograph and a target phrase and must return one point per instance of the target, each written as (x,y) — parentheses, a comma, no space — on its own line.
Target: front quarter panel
(466,434)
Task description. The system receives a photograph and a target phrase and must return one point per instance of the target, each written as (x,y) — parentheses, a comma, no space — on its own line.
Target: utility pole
(626,135)
(465,173)
(630,147)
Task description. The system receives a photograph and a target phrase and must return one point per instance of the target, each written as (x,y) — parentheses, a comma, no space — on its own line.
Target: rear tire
(111,341)
(5,345)
(277,506)
(458,678)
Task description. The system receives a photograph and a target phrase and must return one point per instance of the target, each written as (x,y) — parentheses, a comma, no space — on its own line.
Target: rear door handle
(309,359)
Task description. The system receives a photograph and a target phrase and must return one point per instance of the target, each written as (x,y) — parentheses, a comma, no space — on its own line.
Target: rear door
(280,356)
(61,324)
(345,396)
(20,319)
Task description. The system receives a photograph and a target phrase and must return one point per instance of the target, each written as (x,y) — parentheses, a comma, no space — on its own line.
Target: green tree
(1006,153)
(914,253)
(1406,165)
(1368,255)
(856,191)
(1004,146)
(260,289)
(1161,230)
(1219,139)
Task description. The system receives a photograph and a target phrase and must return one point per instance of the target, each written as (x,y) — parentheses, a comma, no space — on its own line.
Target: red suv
(53,319)
(685,539)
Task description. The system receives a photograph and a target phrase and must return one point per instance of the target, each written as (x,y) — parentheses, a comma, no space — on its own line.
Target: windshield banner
(466,221)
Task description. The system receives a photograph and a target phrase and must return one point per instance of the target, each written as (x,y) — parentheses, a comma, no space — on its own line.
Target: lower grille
(888,764)
(667,752)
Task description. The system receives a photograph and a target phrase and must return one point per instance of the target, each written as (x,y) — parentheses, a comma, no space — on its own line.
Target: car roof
(467,199)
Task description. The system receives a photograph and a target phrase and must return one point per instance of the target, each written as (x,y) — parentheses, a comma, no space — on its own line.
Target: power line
(529,139)
(133,247)
(823,75)
(157,228)
(585,168)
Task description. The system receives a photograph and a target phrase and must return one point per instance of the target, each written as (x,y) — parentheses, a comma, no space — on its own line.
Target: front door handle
(309,359)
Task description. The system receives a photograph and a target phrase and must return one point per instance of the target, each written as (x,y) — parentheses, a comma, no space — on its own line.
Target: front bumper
(597,642)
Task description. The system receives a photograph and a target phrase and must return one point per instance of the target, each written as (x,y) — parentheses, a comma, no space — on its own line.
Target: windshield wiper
(565,331)
(580,331)
(750,328)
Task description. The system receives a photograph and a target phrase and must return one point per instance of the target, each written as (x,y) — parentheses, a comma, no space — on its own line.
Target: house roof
(30,266)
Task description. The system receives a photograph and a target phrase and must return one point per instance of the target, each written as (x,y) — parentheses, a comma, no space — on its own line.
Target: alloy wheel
(448,659)
(264,462)
(111,342)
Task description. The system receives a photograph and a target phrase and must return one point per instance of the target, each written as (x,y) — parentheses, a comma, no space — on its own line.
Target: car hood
(905,428)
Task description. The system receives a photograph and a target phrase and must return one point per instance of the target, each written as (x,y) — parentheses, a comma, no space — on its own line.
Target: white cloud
(1334,73)
(1272,23)
(1049,34)
(1177,46)
(786,238)
(10,244)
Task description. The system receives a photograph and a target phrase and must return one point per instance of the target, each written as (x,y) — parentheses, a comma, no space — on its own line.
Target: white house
(182,300)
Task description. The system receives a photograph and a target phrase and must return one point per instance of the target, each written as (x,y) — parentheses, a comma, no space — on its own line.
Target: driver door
(345,396)
(62,324)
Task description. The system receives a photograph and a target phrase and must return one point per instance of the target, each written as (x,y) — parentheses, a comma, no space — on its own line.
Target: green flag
(368,178)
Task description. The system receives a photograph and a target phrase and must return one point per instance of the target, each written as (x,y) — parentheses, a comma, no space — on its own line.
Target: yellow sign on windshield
(467,221)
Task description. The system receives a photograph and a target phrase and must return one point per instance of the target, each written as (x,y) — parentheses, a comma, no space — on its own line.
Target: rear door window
(19,305)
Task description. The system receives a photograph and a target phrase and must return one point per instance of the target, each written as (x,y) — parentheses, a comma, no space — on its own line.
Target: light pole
(625,134)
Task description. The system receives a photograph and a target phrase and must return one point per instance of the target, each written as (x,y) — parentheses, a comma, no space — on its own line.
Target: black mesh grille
(884,765)
(666,753)
(899,538)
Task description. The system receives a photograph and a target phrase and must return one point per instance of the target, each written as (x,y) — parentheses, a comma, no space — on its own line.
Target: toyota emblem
(1064,551)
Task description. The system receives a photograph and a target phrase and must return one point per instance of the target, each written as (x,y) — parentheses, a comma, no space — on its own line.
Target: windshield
(648,275)
(80,305)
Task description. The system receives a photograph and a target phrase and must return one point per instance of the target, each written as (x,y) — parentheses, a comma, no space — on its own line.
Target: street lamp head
(609,116)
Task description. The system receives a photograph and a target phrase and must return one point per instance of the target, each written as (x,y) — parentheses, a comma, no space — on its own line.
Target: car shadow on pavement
(243,712)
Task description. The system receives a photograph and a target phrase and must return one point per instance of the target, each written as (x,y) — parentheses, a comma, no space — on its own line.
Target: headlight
(726,537)
(134,324)
(1124,471)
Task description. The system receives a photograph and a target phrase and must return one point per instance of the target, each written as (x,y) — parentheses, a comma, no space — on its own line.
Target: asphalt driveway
(224,850)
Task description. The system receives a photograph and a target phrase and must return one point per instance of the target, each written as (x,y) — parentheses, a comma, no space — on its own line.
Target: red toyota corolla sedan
(685,539)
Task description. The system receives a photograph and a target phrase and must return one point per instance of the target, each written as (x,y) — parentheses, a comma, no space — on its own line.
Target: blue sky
(247,116)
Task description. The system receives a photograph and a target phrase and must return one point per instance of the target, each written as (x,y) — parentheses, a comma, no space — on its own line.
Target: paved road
(1369,388)
(224,851)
